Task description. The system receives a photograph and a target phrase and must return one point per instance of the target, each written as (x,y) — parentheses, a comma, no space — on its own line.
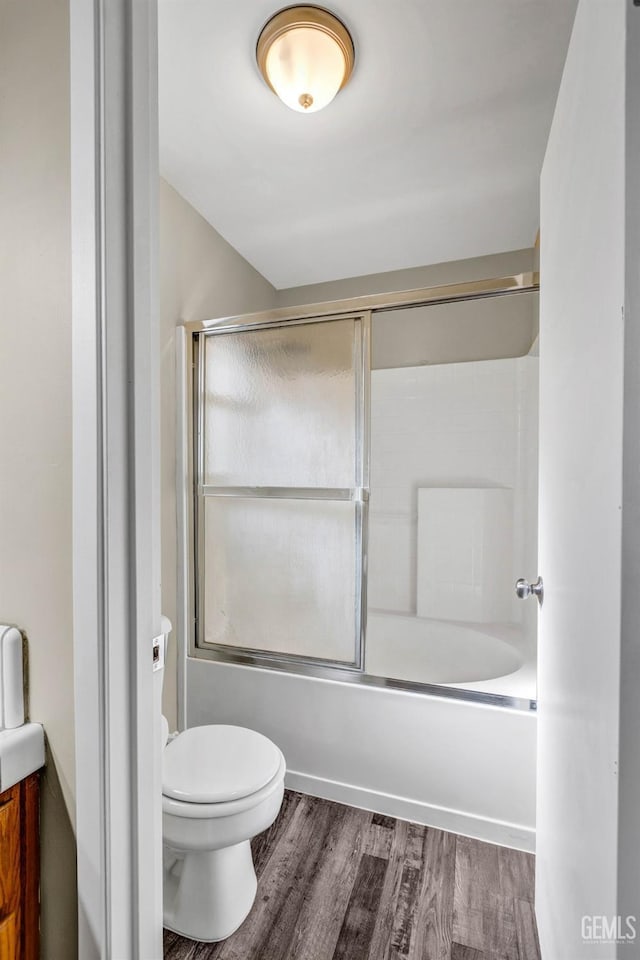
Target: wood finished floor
(337,883)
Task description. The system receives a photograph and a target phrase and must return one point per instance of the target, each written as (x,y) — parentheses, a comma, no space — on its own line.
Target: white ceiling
(431,153)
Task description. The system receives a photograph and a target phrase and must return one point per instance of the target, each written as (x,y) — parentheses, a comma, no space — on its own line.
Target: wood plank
(204,951)
(392,935)
(268,930)
(414,847)
(406,908)
(475,876)
(433,924)
(323,894)
(517,873)
(381,946)
(378,840)
(500,937)
(265,843)
(484,917)
(176,947)
(527,931)
(380,820)
(460,952)
(30,870)
(359,922)
(168,939)
(319,920)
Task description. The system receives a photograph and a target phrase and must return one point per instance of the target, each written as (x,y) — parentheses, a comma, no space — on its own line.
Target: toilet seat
(229,808)
(219,765)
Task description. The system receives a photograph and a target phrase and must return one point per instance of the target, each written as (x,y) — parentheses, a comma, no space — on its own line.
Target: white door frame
(628,876)
(116,519)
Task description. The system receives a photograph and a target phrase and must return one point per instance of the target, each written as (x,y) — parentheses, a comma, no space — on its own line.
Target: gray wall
(201,276)
(488,329)
(35,413)
(448,333)
(455,271)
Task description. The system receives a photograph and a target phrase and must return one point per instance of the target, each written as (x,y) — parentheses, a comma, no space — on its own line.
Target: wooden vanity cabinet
(20,871)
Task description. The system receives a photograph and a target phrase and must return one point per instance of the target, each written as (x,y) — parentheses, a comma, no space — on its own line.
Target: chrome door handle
(525,589)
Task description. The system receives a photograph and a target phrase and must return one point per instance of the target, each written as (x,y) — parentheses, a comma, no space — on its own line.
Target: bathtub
(463,766)
(405,647)
(460,766)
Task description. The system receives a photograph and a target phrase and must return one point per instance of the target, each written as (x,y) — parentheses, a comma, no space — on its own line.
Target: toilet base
(208,894)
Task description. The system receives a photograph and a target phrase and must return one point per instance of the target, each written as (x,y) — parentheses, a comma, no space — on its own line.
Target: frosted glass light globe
(306,68)
(306,56)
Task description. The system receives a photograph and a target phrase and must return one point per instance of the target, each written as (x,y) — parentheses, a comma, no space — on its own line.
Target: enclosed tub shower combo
(359,497)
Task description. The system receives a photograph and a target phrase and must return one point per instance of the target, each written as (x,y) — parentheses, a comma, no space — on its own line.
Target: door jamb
(116,519)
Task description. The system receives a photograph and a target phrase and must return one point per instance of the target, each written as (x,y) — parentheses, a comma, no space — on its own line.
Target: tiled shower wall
(449,425)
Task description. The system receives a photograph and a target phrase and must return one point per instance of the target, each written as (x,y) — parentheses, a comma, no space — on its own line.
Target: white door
(580,887)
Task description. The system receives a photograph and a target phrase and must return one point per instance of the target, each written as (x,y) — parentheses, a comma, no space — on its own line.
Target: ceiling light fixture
(306,55)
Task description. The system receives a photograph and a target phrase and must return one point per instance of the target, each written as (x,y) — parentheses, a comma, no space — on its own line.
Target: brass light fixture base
(315,18)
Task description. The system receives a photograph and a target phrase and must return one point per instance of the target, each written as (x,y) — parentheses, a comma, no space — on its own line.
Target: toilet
(221,786)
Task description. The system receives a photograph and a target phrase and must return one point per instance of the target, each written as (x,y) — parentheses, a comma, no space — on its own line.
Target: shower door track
(422,297)
(344,674)
(359,308)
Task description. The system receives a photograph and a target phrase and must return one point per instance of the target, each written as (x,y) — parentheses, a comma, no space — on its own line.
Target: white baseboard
(442,818)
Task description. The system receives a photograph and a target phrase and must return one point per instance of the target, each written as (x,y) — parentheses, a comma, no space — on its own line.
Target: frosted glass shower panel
(280,407)
(280,576)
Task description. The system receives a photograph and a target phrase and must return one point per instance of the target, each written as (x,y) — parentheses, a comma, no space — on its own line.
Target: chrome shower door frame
(364,307)
(358,494)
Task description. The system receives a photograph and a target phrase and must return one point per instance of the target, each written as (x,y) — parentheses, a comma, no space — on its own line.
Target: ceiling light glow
(306,56)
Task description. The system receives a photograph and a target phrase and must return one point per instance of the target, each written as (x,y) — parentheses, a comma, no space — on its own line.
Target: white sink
(21,753)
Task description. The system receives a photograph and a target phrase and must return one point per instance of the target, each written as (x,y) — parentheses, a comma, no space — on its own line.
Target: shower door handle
(525,589)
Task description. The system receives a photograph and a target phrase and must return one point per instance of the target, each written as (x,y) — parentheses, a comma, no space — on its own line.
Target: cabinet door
(10,887)
(30,867)
(9,937)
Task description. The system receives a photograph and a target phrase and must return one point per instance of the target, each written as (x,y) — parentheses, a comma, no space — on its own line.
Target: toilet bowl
(222,785)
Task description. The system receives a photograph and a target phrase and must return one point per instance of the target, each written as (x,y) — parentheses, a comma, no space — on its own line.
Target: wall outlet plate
(158,653)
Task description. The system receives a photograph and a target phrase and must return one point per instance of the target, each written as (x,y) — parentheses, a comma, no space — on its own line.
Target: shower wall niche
(453,510)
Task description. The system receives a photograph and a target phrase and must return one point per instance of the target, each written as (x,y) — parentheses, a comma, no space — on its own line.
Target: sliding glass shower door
(281,484)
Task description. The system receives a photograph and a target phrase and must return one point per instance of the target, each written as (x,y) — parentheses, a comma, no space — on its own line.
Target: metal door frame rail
(326,670)
(356,306)
(357,494)
(361,309)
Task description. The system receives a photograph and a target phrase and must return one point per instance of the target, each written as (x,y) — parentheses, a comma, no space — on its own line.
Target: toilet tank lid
(218,763)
